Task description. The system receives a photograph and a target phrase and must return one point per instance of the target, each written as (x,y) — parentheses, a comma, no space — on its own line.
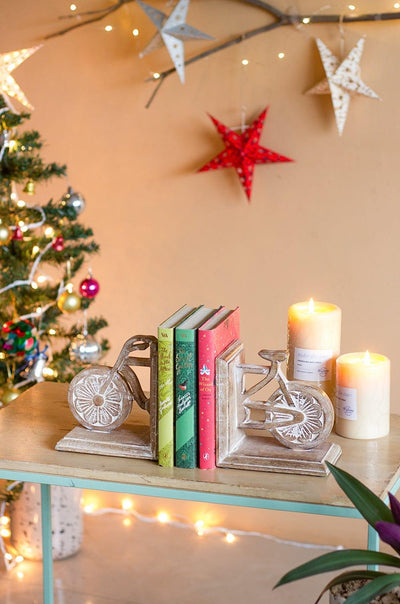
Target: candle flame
(311,305)
(367,358)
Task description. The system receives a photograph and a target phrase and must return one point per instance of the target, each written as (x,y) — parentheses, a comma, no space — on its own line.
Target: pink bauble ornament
(58,244)
(17,235)
(89,288)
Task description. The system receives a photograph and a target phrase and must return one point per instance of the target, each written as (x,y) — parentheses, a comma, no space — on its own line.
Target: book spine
(210,344)
(166,397)
(186,399)
(206,381)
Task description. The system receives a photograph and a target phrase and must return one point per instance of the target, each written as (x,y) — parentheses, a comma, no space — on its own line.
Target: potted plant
(386,521)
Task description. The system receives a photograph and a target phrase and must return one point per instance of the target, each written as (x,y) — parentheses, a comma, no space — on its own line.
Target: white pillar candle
(314,343)
(363,395)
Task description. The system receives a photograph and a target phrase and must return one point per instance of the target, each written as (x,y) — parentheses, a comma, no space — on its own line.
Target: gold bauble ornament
(4,234)
(69,302)
(29,187)
(9,393)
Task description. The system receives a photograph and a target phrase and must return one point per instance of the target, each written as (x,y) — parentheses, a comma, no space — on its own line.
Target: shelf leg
(48,593)
(373,545)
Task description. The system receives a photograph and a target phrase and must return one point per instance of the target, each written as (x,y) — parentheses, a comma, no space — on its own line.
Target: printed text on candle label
(312,365)
(346,402)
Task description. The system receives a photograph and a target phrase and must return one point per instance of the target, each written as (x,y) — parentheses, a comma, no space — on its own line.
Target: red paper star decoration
(242,151)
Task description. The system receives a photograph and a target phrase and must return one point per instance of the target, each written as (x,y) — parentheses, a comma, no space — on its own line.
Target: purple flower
(389,532)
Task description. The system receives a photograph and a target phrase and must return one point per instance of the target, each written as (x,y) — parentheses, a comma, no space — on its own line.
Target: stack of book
(188,343)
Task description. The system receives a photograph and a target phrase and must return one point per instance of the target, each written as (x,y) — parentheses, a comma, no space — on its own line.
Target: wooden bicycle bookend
(101,398)
(298,416)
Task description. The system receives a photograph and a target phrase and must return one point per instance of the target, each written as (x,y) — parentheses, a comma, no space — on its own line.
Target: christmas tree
(42,247)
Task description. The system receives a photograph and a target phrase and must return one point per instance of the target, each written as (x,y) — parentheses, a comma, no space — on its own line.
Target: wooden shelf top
(32,425)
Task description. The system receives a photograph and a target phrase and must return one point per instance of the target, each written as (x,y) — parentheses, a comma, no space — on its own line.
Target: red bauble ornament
(17,234)
(243,152)
(89,288)
(58,244)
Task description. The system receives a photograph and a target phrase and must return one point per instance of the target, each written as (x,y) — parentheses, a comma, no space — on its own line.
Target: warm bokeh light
(230,538)
(49,232)
(162,517)
(127,522)
(306,20)
(311,305)
(4,520)
(5,532)
(245,62)
(127,504)
(135,32)
(108,28)
(281,55)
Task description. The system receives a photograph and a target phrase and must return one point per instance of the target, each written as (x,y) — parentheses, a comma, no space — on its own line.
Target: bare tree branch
(282,19)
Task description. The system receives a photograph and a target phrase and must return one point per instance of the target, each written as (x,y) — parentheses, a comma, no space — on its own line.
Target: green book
(186,388)
(165,334)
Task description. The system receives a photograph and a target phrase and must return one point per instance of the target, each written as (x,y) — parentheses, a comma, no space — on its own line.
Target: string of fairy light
(201,527)
(351,9)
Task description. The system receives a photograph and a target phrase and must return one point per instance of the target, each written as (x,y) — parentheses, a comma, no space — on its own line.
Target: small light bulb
(12,144)
(52,332)
(34,285)
(135,32)
(14,196)
(4,520)
(73,7)
(245,62)
(49,232)
(127,504)
(5,532)
(199,526)
(19,558)
(88,508)
(8,556)
(162,517)
(21,203)
(230,537)
(41,279)
(2,355)
(108,28)
(352,7)
(396,5)
(156,75)
(48,372)
(127,522)
(306,20)
(35,250)
(21,223)
(20,574)
(281,55)
(69,287)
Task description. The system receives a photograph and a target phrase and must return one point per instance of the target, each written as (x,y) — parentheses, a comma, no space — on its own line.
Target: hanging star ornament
(8,86)
(172,31)
(242,152)
(342,80)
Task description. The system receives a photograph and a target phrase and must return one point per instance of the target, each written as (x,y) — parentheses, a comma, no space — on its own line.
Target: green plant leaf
(350,575)
(378,586)
(367,503)
(337,560)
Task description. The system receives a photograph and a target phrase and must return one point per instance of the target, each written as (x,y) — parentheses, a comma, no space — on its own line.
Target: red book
(213,337)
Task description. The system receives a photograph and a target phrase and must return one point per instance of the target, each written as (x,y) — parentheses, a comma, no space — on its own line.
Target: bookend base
(127,441)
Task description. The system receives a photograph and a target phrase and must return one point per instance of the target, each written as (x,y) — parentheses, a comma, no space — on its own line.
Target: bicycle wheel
(318,417)
(95,409)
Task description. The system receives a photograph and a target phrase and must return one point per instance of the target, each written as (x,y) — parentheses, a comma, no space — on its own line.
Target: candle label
(346,402)
(312,365)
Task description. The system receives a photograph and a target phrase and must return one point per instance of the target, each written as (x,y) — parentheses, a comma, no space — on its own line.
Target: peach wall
(326,225)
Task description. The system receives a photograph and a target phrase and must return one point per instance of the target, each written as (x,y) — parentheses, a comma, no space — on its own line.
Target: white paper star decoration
(8,62)
(342,80)
(172,31)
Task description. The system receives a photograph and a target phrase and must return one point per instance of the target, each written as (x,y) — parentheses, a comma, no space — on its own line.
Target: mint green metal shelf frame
(186,495)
